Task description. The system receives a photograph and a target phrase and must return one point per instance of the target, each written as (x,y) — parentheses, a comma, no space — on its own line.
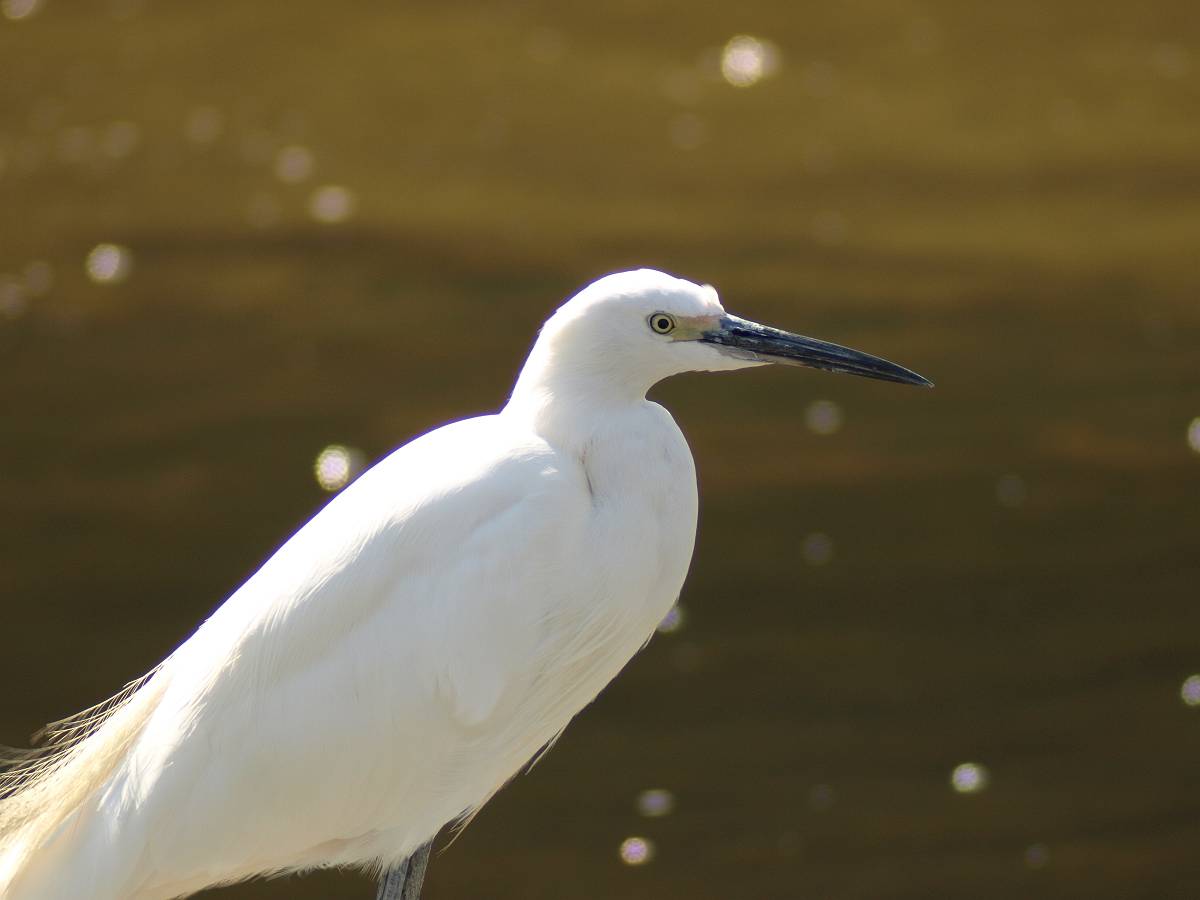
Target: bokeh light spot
(817,549)
(13,297)
(336,465)
(1193,434)
(120,139)
(203,125)
(969,778)
(672,621)
(293,164)
(1189,691)
(823,417)
(821,797)
(1171,60)
(1011,491)
(655,802)
(636,851)
(108,263)
(746,61)
(19,9)
(331,204)
(1036,856)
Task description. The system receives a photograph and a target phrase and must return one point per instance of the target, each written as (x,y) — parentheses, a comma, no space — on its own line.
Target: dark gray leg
(403,882)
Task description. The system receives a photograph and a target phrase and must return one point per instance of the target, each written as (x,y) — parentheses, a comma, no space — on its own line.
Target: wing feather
(411,606)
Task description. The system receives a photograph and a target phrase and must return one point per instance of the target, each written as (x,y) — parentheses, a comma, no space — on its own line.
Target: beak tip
(908,376)
(915,379)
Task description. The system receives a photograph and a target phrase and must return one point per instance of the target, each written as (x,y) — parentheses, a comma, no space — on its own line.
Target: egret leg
(403,881)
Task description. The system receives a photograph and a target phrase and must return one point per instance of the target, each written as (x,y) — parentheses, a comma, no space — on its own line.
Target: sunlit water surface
(934,644)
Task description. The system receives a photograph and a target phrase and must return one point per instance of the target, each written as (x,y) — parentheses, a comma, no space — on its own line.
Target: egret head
(629,330)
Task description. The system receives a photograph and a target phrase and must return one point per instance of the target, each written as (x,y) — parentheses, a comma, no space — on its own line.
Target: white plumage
(410,648)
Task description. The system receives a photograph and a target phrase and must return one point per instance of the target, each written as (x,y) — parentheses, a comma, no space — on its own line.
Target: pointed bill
(748,340)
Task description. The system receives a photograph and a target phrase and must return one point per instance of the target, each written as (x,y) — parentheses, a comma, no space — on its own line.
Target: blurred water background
(934,644)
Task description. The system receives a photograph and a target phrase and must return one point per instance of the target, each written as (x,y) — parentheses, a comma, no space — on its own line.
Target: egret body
(423,637)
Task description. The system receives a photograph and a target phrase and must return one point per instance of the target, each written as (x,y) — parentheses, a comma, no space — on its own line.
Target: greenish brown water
(1004,197)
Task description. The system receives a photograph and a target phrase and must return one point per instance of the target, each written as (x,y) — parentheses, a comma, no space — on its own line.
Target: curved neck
(564,398)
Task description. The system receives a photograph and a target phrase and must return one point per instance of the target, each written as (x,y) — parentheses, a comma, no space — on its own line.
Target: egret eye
(661,323)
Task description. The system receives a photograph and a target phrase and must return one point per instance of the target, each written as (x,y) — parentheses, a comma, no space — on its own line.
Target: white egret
(420,640)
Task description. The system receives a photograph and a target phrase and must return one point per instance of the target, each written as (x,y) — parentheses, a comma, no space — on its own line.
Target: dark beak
(749,340)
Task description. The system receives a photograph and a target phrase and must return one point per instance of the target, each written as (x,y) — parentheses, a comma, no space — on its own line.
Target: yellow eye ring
(661,323)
